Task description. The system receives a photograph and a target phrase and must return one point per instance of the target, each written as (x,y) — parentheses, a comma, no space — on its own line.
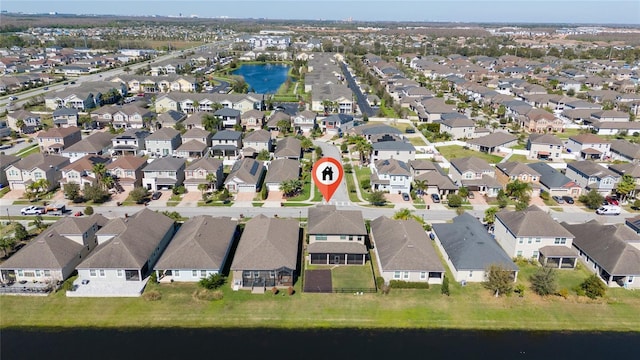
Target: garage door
(246,188)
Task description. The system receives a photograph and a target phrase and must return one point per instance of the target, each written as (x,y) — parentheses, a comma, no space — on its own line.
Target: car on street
(405,197)
(156,195)
(435,198)
(12,98)
(568,199)
(609,210)
(32,210)
(558,199)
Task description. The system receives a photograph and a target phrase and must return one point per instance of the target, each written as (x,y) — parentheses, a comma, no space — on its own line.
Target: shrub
(179,190)
(275,290)
(67,285)
(564,293)
(290,290)
(543,281)
(379,282)
(519,290)
(444,290)
(88,210)
(207,295)
(153,278)
(385,289)
(399,284)
(212,281)
(593,287)
(454,200)
(152,295)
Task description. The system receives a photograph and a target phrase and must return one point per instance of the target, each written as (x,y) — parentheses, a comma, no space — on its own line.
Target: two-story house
(35,167)
(458,128)
(98,143)
(226,143)
(230,117)
(163,142)
(127,171)
(625,151)
(592,176)
(130,142)
(544,147)
(164,173)
(589,147)
(65,117)
(304,121)
(392,147)
(336,237)
(81,171)
(205,170)
(54,140)
(256,141)
(509,171)
(524,233)
(476,175)
(554,182)
(5,161)
(195,144)
(252,119)
(391,175)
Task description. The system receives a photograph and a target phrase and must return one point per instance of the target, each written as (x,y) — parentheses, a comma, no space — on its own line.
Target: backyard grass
(455,152)
(33,149)
(521,159)
(567,133)
(417,141)
(353,277)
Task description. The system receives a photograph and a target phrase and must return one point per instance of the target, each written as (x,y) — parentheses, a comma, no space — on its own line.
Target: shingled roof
(327,220)
(532,222)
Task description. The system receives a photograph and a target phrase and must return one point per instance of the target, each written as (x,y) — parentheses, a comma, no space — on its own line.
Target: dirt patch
(318,281)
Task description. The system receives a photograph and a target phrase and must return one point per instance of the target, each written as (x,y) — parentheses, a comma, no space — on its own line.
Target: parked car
(435,198)
(470,195)
(32,210)
(609,210)
(410,130)
(612,200)
(567,199)
(405,197)
(558,199)
(12,98)
(156,195)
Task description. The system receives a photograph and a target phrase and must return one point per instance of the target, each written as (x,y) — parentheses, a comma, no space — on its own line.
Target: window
(350,237)
(423,275)
(343,237)
(20,273)
(47,273)
(396,275)
(194,273)
(38,273)
(203,273)
(520,240)
(630,279)
(256,274)
(519,253)
(119,273)
(405,275)
(321,237)
(272,274)
(470,273)
(535,254)
(537,240)
(102,274)
(93,273)
(529,240)
(176,273)
(560,241)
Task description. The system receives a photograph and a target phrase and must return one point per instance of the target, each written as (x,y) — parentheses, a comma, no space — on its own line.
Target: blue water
(263,78)
(229,343)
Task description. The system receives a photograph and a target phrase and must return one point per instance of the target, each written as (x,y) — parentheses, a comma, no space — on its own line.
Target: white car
(609,210)
(32,210)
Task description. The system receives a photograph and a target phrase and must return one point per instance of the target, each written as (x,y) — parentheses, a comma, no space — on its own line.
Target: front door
(336,259)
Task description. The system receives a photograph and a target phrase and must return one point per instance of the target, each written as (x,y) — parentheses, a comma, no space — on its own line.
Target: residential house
(541,121)
(615,128)
(280,170)
(31,121)
(436,182)
(275,120)
(304,121)
(592,176)
(404,252)
(509,171)
(199,249)
(554,182)
(98,143)
(163,173)
(127,171)
(54,140)
(34,167)
(525,233)
(230,117)
(288,148)
(376,130)
(589,146)
(458,128)
(130,142)
(624,150)
(267,254)
(226,143)
(392,147)
(421,166)
(544,147)
(604,250)
(493,142)
(81,172)
(65,117)
(469,250)
(431,109)
(163,142)
(53,255)
(246,175)
(475,174)
(5,161)
(391,175)
(130,116)
(196,143)
(336,124)
(631,169)
(336,237)
(169,119)
(256,141)
(252,119)
(204,171)
(128,248)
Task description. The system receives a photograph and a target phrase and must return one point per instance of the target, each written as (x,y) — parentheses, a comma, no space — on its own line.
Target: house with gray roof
(592,176)
(390,147)
(226,143)
(554,182)
(196,143)
(336,124)
(130,142)
(5,161)
(256,141)
(246,175)
(493,142)
(65,117)
(544,147)
(404,252)
(163,142)
(524,233)
(169,119)
(128,249)
(391,175)
(288,148)
(53,255)
(163,173)
(625,151)
(280,170)
(199,172)
(606,253)
(98,143)
(589,146)
(230,117)
(34,167)
(336,237)
(199,249)
(267,254)
(370,129)
(475,174)
(469,250)
(458,128)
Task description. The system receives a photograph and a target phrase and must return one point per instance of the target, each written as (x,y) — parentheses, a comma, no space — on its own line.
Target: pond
(263,78)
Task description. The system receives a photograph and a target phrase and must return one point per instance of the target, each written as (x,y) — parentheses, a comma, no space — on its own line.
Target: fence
(345,291)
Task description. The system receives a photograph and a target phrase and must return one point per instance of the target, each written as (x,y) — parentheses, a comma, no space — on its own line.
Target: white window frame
(423,275)
(396,274)
(93,273)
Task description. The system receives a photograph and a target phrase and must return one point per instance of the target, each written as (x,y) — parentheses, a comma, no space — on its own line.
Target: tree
(212,281)
(364,149)
(592,199)
(88,210)
(499,279)
(463,192)
(490,214)
(173,215)
(211,123)
(502,198)
(420,186)
(100,171)
(626,186)
(20,233)
(377,198)
(95,193)
(263,155)
(406,214)
(72,191)
(444,290)
(203,188)
(306,144)
(544,281)
(518,189)
(20,125)
(284,126)
(290,187)
(454,200)
(523,203)
(139,194)
(7,244)
(593,287)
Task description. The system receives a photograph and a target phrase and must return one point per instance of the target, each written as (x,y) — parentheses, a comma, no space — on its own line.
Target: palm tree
(108,182)
(211,123)
(100,171)
(364,148)
(203,187)
(518,189)
(404,214)
(20,125)
(211,180)
(420,186)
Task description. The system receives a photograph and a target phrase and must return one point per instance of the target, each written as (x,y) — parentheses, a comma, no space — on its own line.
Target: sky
(496,11)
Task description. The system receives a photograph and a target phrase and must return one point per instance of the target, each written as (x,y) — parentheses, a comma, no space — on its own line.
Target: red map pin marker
(327,174)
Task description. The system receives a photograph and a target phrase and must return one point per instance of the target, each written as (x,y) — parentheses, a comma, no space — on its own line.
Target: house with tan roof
(476,175)
(200,171)
(288,148)
(246,175)
(540,121)
(256,141)
(196,143)
(199,249)
(509,171)
(493,142)
(34,167)
(544,147)
(391,175)
(54,140)
(252,119)
(458,128)
(127,171)
(280,170)
(81,171)
(98,143)
(404,252)
(267,255)
(336,237)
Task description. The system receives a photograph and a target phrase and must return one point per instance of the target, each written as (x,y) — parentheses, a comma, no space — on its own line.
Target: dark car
(156,195)
(405,197)
(567,199)
(410,130)
(435,198)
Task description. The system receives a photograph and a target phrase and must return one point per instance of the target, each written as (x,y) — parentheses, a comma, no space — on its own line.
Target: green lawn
(455,151)
(32,149)
(521,159)
(417,141)
(352,277)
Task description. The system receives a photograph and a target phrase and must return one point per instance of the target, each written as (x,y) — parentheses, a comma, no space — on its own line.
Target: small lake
(171,343)
(263,78)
